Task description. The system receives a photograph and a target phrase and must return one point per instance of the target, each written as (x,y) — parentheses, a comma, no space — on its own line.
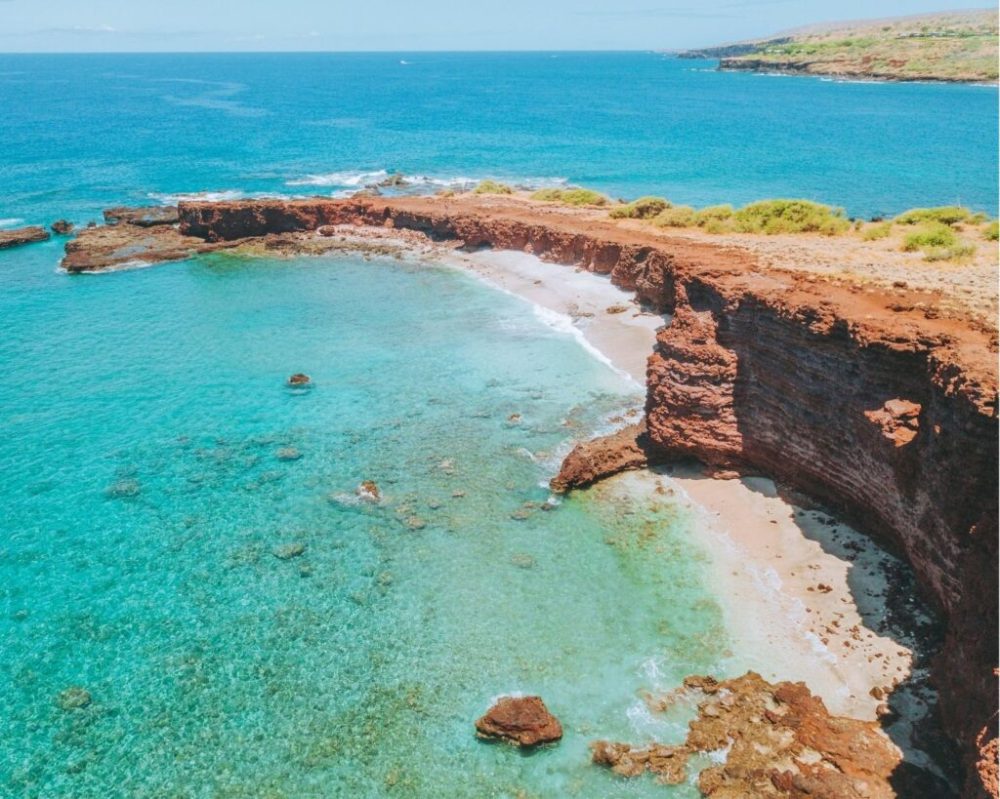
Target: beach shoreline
(798,588)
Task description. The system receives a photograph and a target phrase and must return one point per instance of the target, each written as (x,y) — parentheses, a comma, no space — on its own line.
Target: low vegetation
(643,208)
(880,230)
(938,242)
(492,187)
(790,216)
(932,231)
(571,196)
(675,216)
(950,215)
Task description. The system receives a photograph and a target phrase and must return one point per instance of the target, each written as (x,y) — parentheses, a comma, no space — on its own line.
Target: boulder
(299,379)
(520,720)
(369,491)
(61,227)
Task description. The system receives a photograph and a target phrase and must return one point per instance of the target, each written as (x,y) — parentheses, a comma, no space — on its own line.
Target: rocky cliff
(865,399)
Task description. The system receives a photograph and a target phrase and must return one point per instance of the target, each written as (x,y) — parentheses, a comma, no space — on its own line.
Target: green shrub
(992,232)
(790,216)
(945,215)
(879,231)
(570,196)
(643,208)
(675,216)
(492,187)
(931,235)
(715,218)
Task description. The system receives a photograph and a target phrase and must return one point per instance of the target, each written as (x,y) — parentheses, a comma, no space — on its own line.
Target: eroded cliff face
(864,399)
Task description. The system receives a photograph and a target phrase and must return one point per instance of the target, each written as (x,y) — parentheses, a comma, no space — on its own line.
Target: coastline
(768,555)
(763,370)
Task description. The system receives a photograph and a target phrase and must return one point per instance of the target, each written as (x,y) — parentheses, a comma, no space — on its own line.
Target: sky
(409,25)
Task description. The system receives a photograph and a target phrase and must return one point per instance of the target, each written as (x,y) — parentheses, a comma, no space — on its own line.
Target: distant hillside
(948,46)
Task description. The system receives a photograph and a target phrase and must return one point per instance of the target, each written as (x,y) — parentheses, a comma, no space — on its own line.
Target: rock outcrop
(592,461)
(780,742)
(870,400)
(142,216)
(520,720)
(24,235)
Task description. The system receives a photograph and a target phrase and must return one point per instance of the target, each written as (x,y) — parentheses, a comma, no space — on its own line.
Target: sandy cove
(795,609)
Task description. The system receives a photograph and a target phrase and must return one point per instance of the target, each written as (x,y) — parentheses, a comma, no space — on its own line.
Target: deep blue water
(83,131)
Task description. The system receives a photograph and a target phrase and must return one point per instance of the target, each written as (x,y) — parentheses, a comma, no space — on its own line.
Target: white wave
(563,323)
(340,179)
(12,221)
(203,196)
(356,179)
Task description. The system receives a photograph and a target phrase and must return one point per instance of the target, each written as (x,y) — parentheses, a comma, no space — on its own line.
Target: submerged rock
(289,551)
(669,763)
(288,454)
(74,698)
(520,720)
(24,235)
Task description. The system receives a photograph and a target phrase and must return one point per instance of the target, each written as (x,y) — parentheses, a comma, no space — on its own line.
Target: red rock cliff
(858,398)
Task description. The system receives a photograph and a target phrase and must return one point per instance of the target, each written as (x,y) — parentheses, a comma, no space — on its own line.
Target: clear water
(143,414)
(81,132)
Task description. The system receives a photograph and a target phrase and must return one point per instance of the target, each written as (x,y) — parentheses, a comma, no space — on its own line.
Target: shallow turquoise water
(144,498)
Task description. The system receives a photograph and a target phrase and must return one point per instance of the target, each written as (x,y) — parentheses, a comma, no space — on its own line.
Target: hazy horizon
(105,26)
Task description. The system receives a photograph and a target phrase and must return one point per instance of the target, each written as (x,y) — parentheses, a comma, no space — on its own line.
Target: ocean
(181,535)
(81,132)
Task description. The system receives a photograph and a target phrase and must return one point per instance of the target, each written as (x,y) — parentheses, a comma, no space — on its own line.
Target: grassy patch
(790,216)
(992,231)
(570,196)
(492,187)
(945,215)
(643,208)
(878,231)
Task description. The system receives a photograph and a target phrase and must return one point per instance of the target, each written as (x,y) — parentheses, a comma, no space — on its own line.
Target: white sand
(624,338)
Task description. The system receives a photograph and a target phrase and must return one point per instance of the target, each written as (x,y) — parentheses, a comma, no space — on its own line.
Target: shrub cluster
(492,187)
(643,208)
(790,216)
(950,215)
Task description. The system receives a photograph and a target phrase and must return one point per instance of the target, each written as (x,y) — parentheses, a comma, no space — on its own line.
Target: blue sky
(148,25)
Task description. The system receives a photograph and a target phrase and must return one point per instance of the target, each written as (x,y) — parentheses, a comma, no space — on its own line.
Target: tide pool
(182,539)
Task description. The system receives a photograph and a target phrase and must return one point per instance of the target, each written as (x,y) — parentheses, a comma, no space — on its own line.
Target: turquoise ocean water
(158,473)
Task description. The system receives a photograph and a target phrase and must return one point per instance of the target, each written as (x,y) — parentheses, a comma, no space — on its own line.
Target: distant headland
(953,47)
